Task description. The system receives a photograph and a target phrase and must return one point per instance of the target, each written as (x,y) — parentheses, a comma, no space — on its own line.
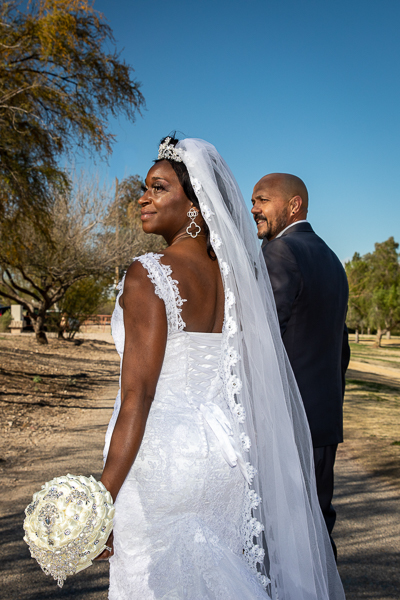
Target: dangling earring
(192,214)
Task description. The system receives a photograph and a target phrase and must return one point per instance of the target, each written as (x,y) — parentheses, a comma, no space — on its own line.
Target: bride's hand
(106,554)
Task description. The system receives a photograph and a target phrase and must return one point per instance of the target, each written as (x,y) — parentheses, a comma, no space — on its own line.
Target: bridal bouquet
(67,524)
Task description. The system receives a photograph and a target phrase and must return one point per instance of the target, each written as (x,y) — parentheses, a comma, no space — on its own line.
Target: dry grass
(372,408)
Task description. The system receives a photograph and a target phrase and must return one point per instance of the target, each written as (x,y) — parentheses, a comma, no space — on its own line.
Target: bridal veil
(264,399)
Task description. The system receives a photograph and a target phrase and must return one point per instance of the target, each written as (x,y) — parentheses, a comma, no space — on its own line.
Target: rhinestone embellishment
(48,515)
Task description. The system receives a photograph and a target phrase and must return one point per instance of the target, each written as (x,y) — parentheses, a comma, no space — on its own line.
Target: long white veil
(264,398)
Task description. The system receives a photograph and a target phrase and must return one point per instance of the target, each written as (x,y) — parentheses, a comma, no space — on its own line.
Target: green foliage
(5,321)
(81,301)
(37,379)
(374,285)
(107,307)
(357,270)
(60,79)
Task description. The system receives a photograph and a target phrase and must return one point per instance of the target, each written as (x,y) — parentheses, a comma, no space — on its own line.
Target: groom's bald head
(287,185)
(279,199)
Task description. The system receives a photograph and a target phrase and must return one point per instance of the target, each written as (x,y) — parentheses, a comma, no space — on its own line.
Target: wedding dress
(225,469)
(183,512)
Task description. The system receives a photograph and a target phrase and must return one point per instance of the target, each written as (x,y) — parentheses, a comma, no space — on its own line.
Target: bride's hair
(184,179)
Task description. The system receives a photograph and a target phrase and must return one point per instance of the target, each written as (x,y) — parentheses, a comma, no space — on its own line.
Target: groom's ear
(295,205)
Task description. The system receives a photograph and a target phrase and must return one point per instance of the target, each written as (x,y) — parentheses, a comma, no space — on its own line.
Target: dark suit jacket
(311,294)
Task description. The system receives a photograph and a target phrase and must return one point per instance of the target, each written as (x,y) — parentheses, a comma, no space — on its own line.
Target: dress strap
(166,288)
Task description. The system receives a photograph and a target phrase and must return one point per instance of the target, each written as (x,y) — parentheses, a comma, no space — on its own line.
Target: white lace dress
(183,527)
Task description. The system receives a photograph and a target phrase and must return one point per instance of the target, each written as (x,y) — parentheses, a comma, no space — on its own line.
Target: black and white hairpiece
(168,151)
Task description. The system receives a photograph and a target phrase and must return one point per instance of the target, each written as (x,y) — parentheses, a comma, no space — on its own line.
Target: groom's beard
(272,227)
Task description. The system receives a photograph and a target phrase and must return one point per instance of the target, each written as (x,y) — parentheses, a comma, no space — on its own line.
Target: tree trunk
(356,337)
(379,334)
(369,331)
(388,335)
(38,326)
(362,330)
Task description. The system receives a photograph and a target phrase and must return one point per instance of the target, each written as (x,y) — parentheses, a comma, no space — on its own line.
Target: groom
(311,293)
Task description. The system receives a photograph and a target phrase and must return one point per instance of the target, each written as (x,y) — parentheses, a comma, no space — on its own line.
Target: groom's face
(271,210)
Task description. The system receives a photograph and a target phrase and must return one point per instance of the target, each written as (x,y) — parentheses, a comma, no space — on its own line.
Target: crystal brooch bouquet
(67,524)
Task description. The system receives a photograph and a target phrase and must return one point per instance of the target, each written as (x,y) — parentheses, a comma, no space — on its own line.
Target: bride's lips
(146,215)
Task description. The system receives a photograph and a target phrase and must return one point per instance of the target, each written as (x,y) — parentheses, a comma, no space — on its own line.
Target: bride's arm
(145,340)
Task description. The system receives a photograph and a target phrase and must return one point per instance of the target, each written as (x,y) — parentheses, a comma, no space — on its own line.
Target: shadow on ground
(381,379)
(367,532)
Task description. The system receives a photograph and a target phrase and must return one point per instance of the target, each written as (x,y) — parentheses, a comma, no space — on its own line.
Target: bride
(208,455)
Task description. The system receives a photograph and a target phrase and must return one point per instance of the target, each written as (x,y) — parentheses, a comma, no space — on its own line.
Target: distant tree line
(374,289)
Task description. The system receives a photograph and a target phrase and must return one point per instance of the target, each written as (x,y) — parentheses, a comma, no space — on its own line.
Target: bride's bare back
(199,283)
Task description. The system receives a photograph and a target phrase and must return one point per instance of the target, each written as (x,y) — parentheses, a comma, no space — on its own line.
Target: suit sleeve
(285,278)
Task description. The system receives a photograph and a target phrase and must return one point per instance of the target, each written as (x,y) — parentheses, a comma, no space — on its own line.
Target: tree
(384,287)
(357,273)
(37,268)
(80,301)
(59,82)
(374,286)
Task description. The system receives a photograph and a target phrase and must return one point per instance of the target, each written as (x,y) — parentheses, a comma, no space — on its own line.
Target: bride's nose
(145,199)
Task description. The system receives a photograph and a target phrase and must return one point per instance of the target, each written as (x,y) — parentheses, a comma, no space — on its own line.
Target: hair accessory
(192,214)
(67,524)
(168,151)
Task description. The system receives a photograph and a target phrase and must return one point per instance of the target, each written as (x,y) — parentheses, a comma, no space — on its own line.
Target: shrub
(5,321)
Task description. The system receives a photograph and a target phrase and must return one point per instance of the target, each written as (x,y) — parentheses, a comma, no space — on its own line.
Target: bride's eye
(157,187)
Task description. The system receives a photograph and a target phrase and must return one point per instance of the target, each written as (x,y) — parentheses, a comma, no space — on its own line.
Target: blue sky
(306,87)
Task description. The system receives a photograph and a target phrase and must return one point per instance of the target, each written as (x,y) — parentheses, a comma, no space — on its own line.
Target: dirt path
(76,449)
(367,531)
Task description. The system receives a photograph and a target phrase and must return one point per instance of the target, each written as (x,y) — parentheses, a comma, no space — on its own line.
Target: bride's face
(164,205)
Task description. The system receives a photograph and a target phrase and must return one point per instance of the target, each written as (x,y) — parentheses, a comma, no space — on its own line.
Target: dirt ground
(55,403)
(49,427)
(44,389)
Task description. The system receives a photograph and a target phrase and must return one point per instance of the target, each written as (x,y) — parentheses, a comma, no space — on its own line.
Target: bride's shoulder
(137,274)
(141,291)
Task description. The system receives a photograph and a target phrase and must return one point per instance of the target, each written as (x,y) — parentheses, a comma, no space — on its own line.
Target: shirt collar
(291,225)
